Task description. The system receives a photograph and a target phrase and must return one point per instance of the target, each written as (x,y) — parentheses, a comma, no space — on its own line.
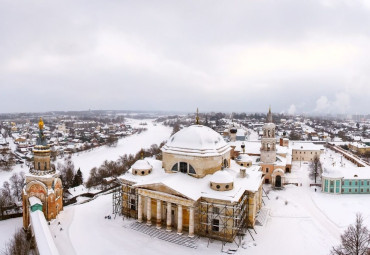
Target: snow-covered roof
(197,140)
(44,240)
(352,172)
(222,176)
(244,158)
(141,164)
(306,146)
(34,201)
(195,188)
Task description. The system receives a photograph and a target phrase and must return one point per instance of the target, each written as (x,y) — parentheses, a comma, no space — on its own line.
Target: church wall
(202,165)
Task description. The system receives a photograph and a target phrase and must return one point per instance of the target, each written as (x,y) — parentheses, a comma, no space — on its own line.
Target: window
(45,166)
(183,167)
(350,190)
(135,171)
(142,172)
(350,183)
(355,190)
(356,183)
(267,169)
(133,192)
(311,152)
(133,204)
(362,190)
(218,186)
(227,186)
(368,182)
(39,165)
(216,210)
(191,170)
(175,167)
(215,225)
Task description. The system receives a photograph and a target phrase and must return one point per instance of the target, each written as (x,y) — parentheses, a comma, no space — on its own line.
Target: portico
(175,212)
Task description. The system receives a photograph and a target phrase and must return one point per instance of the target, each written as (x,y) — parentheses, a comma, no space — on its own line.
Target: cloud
(292,109)
(178,55)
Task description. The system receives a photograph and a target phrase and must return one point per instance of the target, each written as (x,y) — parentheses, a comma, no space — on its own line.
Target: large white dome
(197,140)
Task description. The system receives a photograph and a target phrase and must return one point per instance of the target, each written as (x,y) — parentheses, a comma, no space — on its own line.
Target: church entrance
(278,181)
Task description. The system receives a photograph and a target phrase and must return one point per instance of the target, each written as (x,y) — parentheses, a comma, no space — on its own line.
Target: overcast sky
(298,56)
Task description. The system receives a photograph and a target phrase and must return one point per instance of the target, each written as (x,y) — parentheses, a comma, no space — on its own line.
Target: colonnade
(148,202)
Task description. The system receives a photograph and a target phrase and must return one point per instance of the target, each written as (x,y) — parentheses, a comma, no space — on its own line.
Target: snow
(128,145)
(76,191)
(44,240)
(194,188)
(197,140)
(7,229)
(34,201)
(222,177)
(141,165)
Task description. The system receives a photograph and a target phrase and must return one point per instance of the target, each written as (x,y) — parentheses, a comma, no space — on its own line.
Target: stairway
(262,216)
(162,234)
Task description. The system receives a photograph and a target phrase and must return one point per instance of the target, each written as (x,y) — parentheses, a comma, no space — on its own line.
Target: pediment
(160,187)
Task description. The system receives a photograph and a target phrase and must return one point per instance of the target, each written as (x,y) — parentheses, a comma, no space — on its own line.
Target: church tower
(268,141)
(42,182)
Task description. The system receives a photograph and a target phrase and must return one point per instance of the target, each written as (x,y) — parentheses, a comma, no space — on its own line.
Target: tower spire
(197,117)
(269,116)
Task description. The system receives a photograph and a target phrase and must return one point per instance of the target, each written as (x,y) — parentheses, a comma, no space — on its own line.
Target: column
(191,222)
(140,209)
(179,219)
(169,216)
(148,211)
(159,213)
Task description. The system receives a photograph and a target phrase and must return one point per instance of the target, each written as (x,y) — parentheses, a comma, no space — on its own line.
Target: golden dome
(41,124)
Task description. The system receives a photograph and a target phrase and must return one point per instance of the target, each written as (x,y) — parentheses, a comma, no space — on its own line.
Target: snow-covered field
(7,229)
(130,145)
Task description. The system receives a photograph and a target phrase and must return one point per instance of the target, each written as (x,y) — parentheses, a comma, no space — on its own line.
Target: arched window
(226,163)
(39,166)
(45,166)
(175,167)
(191,170)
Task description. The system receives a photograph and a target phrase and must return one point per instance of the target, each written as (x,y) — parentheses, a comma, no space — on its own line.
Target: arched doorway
(278,181)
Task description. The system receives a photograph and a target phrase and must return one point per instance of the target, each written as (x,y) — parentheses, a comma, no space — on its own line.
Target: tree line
(120,166)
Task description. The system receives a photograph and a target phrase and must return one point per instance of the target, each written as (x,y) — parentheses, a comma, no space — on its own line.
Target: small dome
(222,181)
(221,176)
(244,158)
(141,165)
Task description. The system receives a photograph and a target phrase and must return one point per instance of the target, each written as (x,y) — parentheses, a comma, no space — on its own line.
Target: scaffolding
(225,222)
(117,201)
(129,201)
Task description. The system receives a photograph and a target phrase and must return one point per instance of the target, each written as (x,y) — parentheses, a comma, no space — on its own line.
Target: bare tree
(18,245)
(6,192)
(16,184)
(355,240)
(315,168)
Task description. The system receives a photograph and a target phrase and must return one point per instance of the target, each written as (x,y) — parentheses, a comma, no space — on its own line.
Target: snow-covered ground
(7,229)
(155,134)
(300,221)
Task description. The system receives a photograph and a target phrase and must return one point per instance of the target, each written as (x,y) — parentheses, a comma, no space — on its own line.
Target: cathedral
(43,189)
(197,189)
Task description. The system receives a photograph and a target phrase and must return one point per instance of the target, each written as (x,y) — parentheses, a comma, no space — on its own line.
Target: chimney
(243,173)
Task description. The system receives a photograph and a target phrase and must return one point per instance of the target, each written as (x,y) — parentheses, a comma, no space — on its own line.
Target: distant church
(274,158)
(43,189)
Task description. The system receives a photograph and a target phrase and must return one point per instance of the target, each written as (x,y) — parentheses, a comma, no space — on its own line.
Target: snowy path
(62,237)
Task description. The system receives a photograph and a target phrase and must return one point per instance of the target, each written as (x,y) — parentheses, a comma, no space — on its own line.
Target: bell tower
(268,141)
(42,182)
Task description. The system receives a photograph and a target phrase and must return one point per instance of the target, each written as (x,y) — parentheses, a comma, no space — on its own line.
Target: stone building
(196,189)
(42,182)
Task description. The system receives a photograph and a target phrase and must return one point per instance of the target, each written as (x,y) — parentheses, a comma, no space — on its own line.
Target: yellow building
(360,148)
(197,189)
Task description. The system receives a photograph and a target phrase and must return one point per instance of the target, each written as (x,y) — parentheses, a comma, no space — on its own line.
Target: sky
(232,56)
